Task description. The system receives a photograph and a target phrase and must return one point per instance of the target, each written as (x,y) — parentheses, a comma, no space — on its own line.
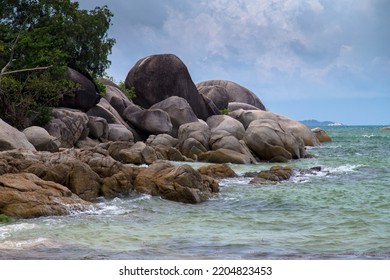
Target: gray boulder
(85,97)
(118,132)
(268,140)
(217,94)
(179,111)
(151,121)
(157,77)
(228,124)
(236,92)
(41,139)
(11,138)
(224,156)
(194,139)
(68,126)
(162,139)
(98,127)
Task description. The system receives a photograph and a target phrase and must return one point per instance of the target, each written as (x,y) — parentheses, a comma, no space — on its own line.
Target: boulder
(299,130)
(98,127)
(116,97)
(85,97)
(177,183)
(194,139)
(385,128)
(218,171)
(228,124)
(321,135)
(24,195)
(139,153)
(236,92)
(104,110)
(152,121)
(179,111)
(11,138)
(224,156)
(68,126)
(41,139)
(118,132)
(162,139)
(268,140)
(157,77)
(274,175)
(216,94)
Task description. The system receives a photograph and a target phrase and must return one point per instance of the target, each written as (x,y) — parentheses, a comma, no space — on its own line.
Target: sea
(338,211)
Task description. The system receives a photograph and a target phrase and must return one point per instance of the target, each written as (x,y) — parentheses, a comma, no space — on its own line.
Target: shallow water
(340,212)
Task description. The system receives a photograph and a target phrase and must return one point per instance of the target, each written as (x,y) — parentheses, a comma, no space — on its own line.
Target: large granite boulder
(157,77)
(179,111)
(271,142)
(85,97)
(25,195)
(223,155)
(233,106)
(11,138)
(68,126)
(118,132)
(235,92)
(151,121)
(194,139)
(218,95)
(177,183)
(115,96)
(228,124)
(41,139)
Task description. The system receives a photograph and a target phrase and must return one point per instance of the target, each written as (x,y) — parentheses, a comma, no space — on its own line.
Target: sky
(327,60)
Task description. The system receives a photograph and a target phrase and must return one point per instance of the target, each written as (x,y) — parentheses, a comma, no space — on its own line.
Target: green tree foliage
(39,39)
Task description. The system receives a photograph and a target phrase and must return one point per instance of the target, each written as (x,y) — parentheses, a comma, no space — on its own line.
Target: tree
(39,39)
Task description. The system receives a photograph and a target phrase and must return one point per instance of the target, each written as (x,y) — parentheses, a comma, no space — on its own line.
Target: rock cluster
(92,138)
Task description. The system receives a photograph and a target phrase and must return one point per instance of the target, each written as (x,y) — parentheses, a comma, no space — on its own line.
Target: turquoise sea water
(340,212)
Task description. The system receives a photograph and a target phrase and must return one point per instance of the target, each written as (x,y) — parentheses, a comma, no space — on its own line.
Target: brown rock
(177,183)
(321,135)
(24,195)
(274,175)
(218,171)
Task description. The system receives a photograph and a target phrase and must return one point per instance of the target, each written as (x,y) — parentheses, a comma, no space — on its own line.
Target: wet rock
(321,135)
(177,183)
(218,171)
(274,175)
(24,195)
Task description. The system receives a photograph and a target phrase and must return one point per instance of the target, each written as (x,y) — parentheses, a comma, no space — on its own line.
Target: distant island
(320,123)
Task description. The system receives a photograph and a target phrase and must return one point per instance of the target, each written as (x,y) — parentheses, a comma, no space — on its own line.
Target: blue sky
(306,59)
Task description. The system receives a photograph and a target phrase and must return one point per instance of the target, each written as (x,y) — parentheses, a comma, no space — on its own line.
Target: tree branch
(25,70)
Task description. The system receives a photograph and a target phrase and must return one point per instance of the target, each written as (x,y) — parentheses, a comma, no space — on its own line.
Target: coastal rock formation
(233,106)
(194,139)
(68,126)
(178,183)
(274,175)
(236,92)
(85,97)
(151,121)
(41,139)
(24,195)
(385,128)
(217,94)
(158,77)
(179,111)
(218,171)
(11,138)
(321,135)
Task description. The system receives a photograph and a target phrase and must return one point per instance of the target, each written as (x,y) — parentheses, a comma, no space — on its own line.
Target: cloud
(278,48)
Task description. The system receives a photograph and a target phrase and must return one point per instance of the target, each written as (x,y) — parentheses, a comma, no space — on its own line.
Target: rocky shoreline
(94,145)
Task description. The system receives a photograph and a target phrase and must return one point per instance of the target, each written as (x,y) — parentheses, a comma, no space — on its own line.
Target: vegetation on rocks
(36,49)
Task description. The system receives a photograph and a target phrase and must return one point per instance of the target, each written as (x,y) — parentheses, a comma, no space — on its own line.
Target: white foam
(24,244)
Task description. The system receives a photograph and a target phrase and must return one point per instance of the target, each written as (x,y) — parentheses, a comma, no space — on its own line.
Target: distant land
(320,123)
